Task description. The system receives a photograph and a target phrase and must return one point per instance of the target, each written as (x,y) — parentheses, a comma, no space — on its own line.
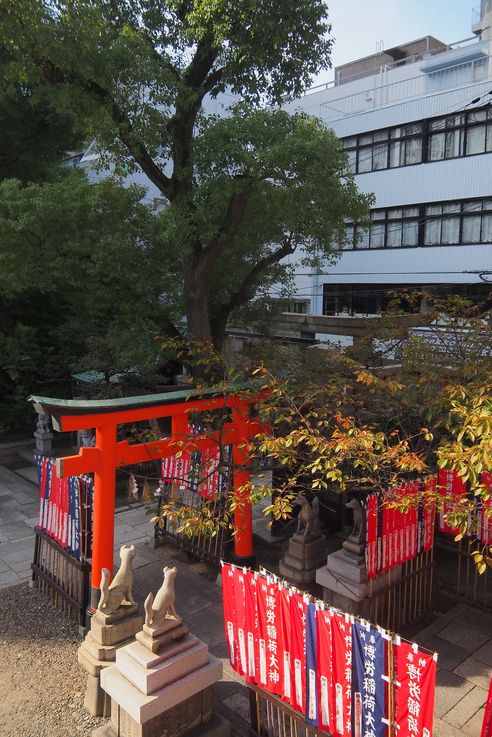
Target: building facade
(416,124)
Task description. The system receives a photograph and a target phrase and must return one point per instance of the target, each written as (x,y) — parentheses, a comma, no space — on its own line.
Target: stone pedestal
(43,435)
(162,686)
(345,583)
(98,651)
(304,555)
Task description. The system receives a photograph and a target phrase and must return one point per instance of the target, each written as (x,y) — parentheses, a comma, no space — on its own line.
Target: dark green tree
(243,192)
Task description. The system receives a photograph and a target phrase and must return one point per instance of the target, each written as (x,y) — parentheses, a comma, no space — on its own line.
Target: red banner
(228,576)
(371,535)
(251,627)
(453,488)
(285,595)
(342,674)
(416,676)
(429,511)
(270,646)
(326,693)
(298,651)
(487,717)
(239,584)
(484,522)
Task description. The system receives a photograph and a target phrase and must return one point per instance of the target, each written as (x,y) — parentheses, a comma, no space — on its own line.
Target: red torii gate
(108,453)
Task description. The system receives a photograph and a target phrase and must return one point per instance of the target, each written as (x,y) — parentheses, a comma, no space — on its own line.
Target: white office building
(416,123)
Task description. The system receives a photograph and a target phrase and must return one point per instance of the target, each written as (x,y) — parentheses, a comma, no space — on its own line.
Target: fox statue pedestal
(307,547)
(162,684)
(113,625)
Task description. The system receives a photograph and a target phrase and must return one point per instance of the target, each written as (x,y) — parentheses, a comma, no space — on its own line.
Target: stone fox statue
(163,604)
(358,531)
(120,589)
(308,518)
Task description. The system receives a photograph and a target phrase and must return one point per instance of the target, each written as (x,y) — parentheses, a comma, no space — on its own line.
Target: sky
(358,25)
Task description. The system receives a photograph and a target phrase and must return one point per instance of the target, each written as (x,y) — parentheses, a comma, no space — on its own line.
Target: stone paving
(462,636)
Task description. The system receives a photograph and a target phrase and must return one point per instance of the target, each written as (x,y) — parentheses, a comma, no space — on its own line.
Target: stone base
(96,701)
(217,726)
(303,557)
(98,651)
(141,707)
(156,644)
(345,583)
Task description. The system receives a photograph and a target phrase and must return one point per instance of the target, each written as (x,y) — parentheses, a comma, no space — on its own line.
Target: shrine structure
(109,453)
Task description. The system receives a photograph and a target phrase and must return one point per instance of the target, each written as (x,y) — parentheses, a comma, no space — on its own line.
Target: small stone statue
(120,590)
(308,518)
(357,539)
(162,607)
(43,425)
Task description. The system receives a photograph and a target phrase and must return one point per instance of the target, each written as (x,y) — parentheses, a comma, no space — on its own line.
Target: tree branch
(126,133)
(245,291)
(232,222)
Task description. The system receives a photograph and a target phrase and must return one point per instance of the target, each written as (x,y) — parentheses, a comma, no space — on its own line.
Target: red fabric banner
(270,647)
(485,512)
(251,627)
(371,535)
(429,512)
(342,675)
(298,651)
(239,590)
(286,639)
(487,717)
(416,676)
(324,655)
(452,487)
(229,613)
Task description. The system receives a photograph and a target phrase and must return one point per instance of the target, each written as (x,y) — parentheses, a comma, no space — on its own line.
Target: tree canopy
(242,191)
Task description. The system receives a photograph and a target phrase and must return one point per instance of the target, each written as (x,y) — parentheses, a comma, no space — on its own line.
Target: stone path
(462,637)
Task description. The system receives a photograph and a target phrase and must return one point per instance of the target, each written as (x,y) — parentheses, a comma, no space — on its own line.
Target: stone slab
(473,726)
(484,653)
(304,564)
(141,707)
(348,566)
(110,634)
(166,626)
(148,659)
(307,550)
(150,680)
(296,576)
(458,634)
(155,644)
(123,611)
(96,701)
(450,690)
(475,671)
(217,726)
(307,539)
(103,652)
(92,665)
(467,707)
(449,655)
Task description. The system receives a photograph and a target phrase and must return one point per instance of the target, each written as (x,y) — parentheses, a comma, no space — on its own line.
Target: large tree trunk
(197,312)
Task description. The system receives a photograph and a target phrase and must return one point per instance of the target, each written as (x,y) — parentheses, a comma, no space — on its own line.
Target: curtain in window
(410,234)
(471,229)
(432,232)
(475,139)
(436,146)
(413,151)
(450,231)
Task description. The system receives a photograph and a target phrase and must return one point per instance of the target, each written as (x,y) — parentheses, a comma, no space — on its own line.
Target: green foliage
(242,192)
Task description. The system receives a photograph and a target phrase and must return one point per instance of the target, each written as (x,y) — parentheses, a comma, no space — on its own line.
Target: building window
(447,137)
(445,223)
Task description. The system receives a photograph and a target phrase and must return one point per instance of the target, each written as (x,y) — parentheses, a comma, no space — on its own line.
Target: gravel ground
(42,686)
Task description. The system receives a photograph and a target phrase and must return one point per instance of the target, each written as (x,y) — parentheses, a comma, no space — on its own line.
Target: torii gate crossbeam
(108,453)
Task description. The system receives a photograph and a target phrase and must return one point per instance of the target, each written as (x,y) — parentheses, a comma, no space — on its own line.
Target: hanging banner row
(344,675)
(62,504)
(201,472)
(393,537)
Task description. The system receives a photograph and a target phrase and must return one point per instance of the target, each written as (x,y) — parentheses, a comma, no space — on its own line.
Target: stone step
(142,707)
(149,680)
(148,659)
